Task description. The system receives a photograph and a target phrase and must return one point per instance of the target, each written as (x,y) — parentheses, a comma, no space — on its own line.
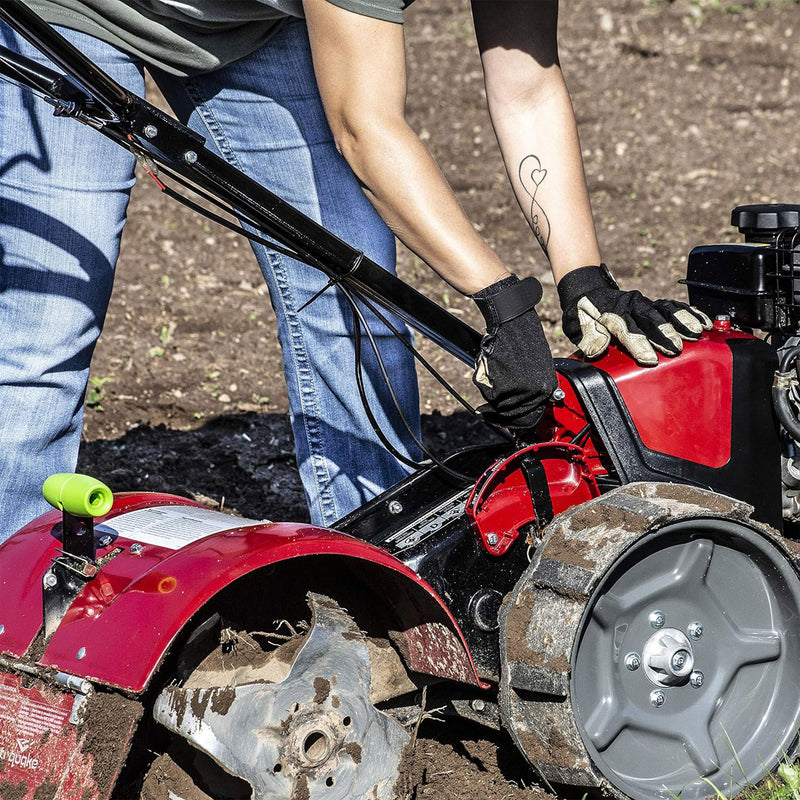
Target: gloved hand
(595,309)
(514,370)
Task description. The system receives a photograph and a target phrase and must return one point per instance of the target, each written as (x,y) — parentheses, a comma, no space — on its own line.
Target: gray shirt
(190,36)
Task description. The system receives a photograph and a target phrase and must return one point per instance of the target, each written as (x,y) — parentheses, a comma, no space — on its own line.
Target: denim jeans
(64,191)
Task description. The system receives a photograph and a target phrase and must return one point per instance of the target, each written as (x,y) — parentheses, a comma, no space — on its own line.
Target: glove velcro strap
(580,281)
(509,301)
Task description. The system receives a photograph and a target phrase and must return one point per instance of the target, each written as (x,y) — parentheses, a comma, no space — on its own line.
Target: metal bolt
(696,679)
(2,629)
(81,654)
(190,157)
(657,698)
(558,395)
(723,318)
(633,661)
(695,630)
(478,704)
(150,131)
(678,660)
(106,540)
(657,619)
(491,539)
(136,549)
(50,580)
(395,507)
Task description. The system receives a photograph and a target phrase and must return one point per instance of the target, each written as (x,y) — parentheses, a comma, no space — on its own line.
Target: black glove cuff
(507,299)
(577,283)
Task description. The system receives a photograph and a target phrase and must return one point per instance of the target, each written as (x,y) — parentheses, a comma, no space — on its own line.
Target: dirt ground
(686,109)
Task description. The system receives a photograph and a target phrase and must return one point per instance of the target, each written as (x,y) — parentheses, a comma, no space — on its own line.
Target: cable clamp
(333,281)
(785,380)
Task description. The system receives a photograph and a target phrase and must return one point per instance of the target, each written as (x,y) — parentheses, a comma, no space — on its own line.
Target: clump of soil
(442,765)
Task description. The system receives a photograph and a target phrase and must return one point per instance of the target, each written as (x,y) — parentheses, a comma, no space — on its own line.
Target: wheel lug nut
(633,661)
(657,698)
(695,630)
(657,619)
(696,679)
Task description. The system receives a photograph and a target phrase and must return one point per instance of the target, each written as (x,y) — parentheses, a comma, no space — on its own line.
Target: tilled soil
(686,109)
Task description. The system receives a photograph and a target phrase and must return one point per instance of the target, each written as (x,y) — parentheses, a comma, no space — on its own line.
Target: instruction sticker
(174,527)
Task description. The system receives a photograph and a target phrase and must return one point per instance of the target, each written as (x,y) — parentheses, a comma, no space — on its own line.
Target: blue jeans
(64,191)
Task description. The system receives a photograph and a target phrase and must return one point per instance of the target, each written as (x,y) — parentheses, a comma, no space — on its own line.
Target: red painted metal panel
(119,627)
(682,407)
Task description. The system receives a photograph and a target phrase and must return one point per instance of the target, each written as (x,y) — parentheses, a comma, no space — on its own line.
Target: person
(307,98)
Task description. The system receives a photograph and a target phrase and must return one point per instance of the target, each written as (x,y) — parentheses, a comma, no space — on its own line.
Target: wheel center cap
(667,657)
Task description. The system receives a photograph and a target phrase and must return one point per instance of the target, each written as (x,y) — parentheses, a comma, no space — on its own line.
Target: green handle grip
(79,495)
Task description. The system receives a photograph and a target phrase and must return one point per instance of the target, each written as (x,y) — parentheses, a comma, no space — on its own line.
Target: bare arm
(535,126)
(360,67)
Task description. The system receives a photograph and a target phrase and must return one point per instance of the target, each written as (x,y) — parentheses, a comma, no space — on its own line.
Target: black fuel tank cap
(766,217)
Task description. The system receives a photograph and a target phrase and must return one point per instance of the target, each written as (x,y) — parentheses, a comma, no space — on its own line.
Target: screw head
(395,507)
(478,704)
(105,541)
(633,661)
(190,157)
(657,698)
(695,630)
(81,654)
(558,395)
(150,131)
(50,580)
(657,619)
(697,679)
(491,539)
(136,549)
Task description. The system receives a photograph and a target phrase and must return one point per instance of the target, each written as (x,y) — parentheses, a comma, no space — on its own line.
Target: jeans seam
(305,376)
(307,390)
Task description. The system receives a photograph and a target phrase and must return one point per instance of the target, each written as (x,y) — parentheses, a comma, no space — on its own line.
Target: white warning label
(174,527)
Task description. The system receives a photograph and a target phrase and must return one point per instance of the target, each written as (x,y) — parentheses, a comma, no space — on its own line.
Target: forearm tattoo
(531,175)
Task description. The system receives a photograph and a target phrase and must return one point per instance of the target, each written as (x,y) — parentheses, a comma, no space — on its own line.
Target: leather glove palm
(595,309)
(514,370)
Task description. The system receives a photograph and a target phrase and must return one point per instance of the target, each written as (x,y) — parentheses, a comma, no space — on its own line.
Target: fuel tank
(704,418)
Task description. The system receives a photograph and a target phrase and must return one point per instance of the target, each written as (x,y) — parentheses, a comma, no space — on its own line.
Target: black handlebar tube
(180,149)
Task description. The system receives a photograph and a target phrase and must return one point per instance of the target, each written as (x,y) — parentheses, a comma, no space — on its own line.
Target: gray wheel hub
(667,658)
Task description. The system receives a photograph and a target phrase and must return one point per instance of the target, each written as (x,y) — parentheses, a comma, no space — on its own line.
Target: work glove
(595,309)
(514,370)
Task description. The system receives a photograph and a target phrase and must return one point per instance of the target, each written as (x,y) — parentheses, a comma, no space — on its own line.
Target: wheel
(296,723)
(652,648)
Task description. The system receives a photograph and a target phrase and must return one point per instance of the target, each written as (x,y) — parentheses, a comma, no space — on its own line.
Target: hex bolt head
(478,704)
(150,131)
(695,630)
(657,698)
(696,679)
(679,659)
(136,549)
(50,580)
(558,395)
(190,157)
(657,619)
(105,541)
(491,539)
(395,507)
(633,661)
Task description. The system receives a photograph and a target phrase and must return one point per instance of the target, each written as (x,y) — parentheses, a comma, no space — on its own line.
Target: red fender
(170,556)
